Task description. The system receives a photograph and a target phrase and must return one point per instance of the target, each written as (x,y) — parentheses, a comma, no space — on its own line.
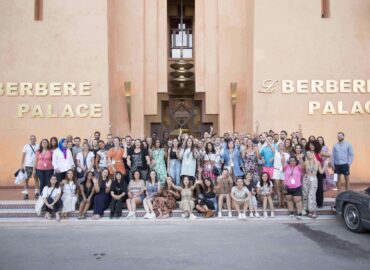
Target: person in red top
(293,185)
(43,165)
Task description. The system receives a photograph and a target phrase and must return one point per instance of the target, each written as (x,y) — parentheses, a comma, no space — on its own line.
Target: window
(181,39)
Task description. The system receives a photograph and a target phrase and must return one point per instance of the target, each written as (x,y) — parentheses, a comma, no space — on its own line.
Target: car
(354,207)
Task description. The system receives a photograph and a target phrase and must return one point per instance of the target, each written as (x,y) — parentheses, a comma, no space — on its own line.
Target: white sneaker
(130,215)
(183,215)
(251,215)
(230,215)
(256,214)
(272,215)
(152,216)
(219,214)
(265,214)
(24,191)
(240,216)
(244,216)
(192,216)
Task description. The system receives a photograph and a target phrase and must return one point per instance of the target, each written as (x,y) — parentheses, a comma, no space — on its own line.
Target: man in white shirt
(28,163)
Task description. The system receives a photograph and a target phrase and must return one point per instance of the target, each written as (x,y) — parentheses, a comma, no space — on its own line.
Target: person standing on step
(43,164)
(28,163)
(312,167)
(292,181)
(62,160)
(343,157)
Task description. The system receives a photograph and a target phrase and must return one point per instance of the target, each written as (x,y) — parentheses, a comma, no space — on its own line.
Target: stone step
(30,204)
(30,213)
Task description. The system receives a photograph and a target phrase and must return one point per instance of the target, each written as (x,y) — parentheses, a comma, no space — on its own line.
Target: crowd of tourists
(206,174)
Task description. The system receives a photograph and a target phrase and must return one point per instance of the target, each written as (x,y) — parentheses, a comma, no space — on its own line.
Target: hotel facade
(138,66)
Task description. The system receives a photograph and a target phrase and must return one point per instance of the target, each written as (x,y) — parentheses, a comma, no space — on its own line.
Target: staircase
(26,209)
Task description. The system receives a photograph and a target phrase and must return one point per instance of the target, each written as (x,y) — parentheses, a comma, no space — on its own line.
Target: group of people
(186,172)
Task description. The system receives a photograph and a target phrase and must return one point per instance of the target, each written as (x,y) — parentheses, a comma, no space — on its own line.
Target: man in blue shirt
(267,156)
(342,159)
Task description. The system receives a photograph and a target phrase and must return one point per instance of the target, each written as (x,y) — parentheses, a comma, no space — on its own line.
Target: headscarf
(61,148)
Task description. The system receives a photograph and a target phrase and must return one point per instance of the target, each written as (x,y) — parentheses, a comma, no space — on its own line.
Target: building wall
(293,42)
(69,45)
(224,55)
(112,42)
(137,54)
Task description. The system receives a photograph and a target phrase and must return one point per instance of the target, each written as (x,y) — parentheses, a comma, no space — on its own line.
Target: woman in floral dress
(158,162)
(250,157)
(165,202)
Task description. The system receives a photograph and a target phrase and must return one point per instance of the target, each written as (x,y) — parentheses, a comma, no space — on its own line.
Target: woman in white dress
(69,197)
(280,159)
(189,160)
(85,162)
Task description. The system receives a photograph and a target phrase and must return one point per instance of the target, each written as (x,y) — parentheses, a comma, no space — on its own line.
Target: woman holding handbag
(51,196)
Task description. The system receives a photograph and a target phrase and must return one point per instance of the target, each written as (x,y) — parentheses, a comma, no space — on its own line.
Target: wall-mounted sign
(53,90)
(324,87)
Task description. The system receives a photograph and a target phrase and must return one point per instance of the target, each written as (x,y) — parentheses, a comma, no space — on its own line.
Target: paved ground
(181,244)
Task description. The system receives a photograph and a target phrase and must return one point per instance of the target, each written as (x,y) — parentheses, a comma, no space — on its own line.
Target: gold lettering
(22,108)
(357,108)
(85,89)
(345,86)
(331,86)
(359,86)
(340,108)
(55,89)
(312,106)
(317,86)
(79,109)
(2,89)
(25,89)
(41,89)
(69,89)
(287,86)
(67,111)
(12,89)
(96,110)
(50,112)
(367,107)
(329,108)
(302,86)
(37,111)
